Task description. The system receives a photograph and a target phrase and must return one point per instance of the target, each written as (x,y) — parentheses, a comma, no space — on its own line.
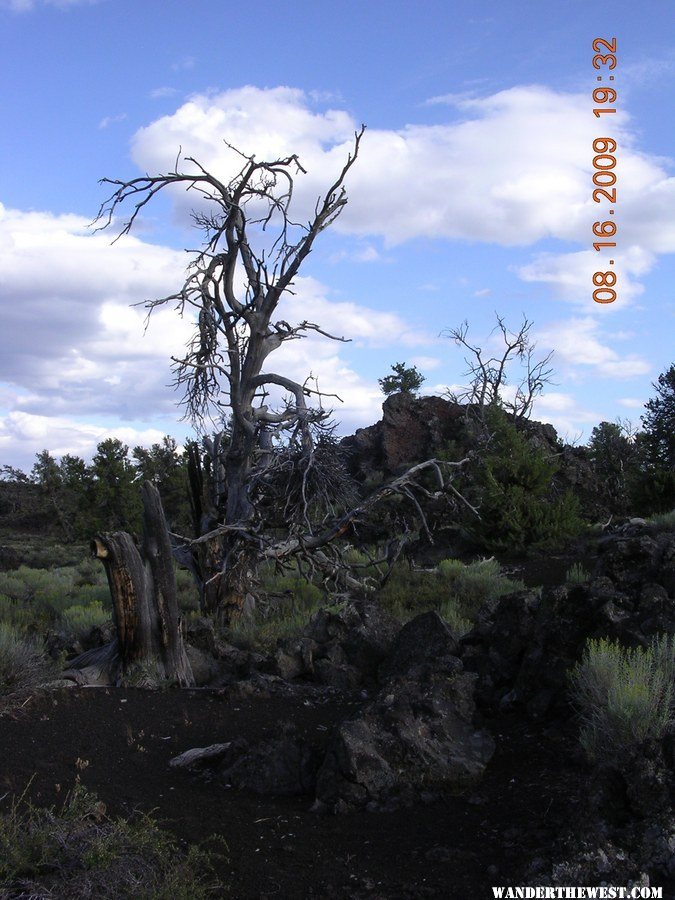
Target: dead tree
(489,376)
(249,237)
(149,645)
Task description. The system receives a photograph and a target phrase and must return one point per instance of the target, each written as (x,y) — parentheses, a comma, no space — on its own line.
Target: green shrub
(13,613)
(450,568)
(455,590)
(80,619)
(80,852)
(23,664)
(91,593)
(409,592)
(40,597)
(624,696)
(664,520)
(13,587)
(451,611)
(263,635)
(576,574)
(518,507)
(304,591)
(480,581)
(287,602)
(89,571)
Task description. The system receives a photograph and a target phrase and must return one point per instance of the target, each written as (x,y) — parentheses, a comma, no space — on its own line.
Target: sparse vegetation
(663,520)
(455,590)
(23,664)
(624,695)
(576,574)
(41,598)
(288,600)
(80,852)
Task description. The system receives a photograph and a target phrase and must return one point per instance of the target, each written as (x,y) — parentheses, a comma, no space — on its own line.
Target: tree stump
(150,647)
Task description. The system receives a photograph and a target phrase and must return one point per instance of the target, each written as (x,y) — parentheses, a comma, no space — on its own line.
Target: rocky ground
(120,743)
(362,759)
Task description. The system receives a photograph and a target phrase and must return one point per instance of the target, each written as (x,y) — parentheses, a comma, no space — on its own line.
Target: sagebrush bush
(80,852)
(264,634)
(188,595)
(664,520)
(287,602)
(23,664)
(451,611)
(79,619)
(455,590)
(44,595)
(304,592)
(624,695)
(474,584)
(14,613)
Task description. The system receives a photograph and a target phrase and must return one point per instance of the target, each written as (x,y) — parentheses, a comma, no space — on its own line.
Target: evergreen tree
(166,468)
(406,380)
(615,462)
(114,491)
(659,422)
(653,490)
(517,506)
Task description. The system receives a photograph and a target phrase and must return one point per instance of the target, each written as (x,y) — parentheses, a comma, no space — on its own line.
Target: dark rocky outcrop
(417,736)
(342,646)
(413,429)
(285,765)
(523,645)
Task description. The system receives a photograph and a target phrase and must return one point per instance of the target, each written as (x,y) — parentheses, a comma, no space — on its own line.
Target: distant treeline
(512,481)
(80,499)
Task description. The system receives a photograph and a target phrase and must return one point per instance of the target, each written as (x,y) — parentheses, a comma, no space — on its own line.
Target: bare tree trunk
(143,588)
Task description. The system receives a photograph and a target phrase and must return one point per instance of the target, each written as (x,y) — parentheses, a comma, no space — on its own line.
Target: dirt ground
(120,743)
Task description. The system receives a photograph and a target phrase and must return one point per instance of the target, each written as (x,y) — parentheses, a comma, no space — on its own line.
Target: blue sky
(472,196)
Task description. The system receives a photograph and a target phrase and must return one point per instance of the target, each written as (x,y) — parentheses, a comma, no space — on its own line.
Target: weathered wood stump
(149,647)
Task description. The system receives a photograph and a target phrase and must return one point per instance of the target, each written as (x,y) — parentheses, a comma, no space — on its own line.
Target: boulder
(418,734)
(411,429)
(341,646)
(285,765)
(424,639)
(204,667)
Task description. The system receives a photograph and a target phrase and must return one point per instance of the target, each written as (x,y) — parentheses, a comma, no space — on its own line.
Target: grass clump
(23,664)
(80,852)
(624,695)
(576,574)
